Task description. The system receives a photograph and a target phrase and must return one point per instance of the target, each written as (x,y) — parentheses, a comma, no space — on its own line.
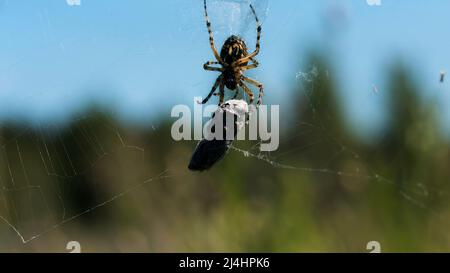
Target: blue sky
(138,58)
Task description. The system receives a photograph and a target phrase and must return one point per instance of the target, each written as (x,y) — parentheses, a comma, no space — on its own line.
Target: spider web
(55,166)
(51,168)
(418,192)
(412,193)
(54,175)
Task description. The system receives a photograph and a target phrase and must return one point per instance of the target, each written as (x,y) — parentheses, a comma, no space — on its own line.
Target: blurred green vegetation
(331,192)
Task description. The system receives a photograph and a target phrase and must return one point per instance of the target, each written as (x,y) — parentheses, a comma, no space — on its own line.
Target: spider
(233,60)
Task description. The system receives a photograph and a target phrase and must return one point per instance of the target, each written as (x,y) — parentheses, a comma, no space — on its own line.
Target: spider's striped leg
(211,39)
(258,43)
(247,91)
(207,66)
(257,84)
(255,64)
(216,84)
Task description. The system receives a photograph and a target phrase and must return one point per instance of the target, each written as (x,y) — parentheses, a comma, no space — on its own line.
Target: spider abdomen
(233,49)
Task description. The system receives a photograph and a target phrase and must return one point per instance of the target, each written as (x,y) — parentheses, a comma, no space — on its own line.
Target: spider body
(232,50)
(234,59)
